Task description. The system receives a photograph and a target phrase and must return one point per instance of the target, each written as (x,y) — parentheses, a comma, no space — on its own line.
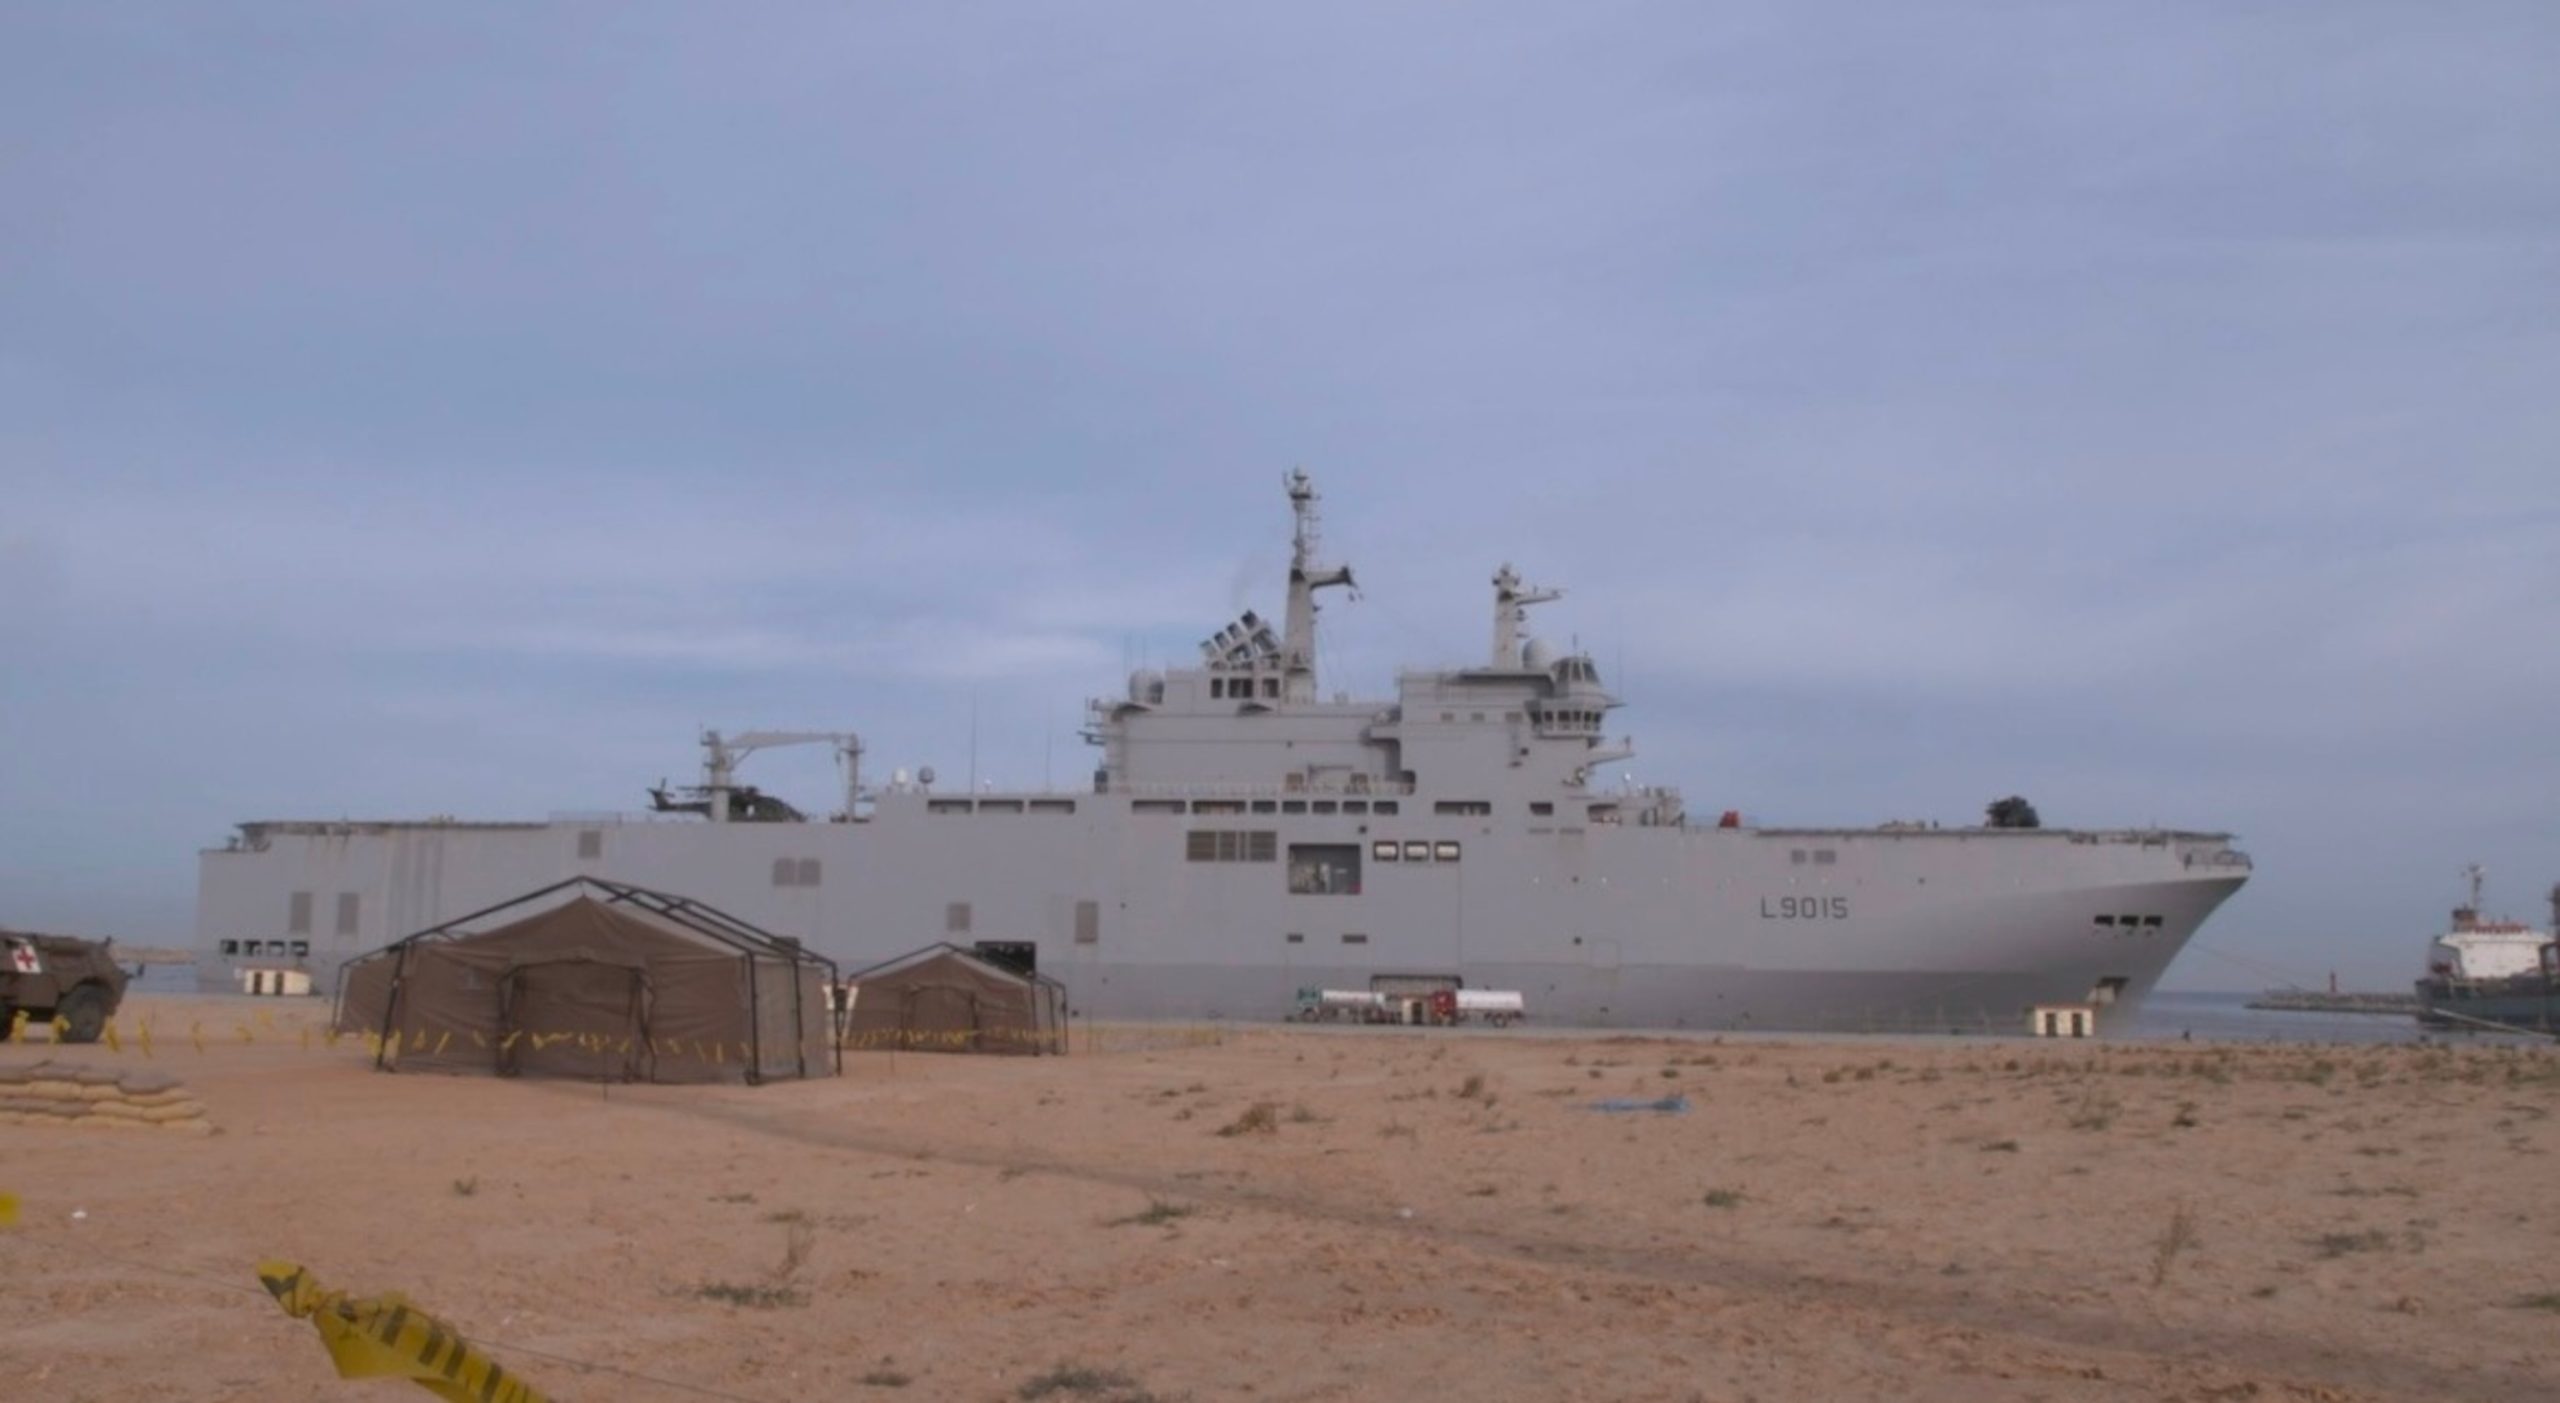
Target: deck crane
(722,799)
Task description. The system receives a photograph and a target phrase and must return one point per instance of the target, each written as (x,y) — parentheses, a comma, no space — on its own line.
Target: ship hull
(1843,930)
(2524,1002)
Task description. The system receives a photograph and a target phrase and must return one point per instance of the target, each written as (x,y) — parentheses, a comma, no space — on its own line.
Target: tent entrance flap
(580,1018)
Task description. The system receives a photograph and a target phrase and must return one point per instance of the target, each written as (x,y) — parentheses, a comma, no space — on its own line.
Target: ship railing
(1329,789)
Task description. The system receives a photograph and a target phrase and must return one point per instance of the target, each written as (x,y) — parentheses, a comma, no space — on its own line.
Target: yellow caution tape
(384,1337)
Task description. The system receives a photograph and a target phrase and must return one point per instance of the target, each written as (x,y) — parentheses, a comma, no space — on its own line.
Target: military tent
(594,980)
(946,999)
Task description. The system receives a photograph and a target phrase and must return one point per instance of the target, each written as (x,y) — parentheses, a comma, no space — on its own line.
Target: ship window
(1417,852)
(1217,806)
(1217,687)
(948,806)
(1326,806)
(1324,869)
(1155,806)
(1383,806)
(1297,937)
(1355,939)
(2128,920)
(2151,922)
(1542,808)
(1825,857)
(1796,856)
(1444,852)
(590,842)
(1227,845)
(1355,806)
(1463,806)
(1053,806)
(252,947)
(1383,852)
(231,947)
(302,947)
(1448,716)
(955,918)
(350,905)
(1265,806)
(1475,715)
(1511,716)
(785,872)
(1293,806)
(2106,920)
(298,913)
(1271,687)
(1088,922)
(808,872)
(999,806)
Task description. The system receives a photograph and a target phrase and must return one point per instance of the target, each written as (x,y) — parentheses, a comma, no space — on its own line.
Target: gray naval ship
(1246,838)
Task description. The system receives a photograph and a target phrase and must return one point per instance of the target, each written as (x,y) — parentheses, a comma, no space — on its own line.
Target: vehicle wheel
(84,1014)
(8,1019)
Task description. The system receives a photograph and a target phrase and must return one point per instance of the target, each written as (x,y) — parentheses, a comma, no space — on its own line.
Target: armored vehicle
(50,977)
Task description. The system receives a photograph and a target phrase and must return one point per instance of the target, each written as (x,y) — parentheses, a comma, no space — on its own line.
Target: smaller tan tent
(946,999)
(594,980)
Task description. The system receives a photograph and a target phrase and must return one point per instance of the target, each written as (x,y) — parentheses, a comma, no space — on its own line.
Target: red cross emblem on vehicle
(22,958)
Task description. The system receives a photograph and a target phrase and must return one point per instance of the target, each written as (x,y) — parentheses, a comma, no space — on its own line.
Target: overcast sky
(2151,409)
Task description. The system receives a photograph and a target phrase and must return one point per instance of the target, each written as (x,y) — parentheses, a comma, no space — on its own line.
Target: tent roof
(940,949)
(610,910)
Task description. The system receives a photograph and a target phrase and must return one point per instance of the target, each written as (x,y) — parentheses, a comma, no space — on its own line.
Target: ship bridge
(1526,725)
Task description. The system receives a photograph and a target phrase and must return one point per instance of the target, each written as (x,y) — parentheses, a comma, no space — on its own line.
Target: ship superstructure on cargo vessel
(1246,837)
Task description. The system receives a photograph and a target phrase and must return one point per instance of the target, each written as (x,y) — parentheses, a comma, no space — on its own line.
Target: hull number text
(1804,908)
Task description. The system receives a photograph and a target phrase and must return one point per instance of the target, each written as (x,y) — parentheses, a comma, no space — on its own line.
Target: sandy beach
(1315,1214)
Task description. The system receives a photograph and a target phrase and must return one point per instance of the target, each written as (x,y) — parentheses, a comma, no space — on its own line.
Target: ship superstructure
(1244,837)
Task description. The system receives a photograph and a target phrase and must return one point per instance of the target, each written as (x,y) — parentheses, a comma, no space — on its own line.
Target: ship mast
(1298,645)
(1511,601)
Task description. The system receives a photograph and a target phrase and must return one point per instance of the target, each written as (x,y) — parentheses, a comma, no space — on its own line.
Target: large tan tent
(946,999)
(595,980)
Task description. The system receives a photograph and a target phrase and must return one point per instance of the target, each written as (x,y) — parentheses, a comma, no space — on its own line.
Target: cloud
(417,414)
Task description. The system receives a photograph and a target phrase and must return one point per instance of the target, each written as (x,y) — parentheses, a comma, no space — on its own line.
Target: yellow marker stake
(143,1035)
(385,1337)
(442,1040)
(196,1032)
(18,1026)
(114,1043)
(8,1210)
